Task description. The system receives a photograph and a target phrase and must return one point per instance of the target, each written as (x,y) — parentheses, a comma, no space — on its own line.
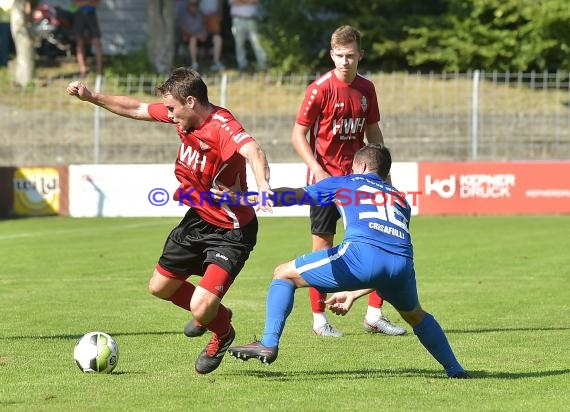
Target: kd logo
(443,187)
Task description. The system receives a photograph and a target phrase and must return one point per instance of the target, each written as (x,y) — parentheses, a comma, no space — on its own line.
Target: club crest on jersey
(364,103)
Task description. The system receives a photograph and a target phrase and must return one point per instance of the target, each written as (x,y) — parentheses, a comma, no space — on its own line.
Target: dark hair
(184,82)
(377,157)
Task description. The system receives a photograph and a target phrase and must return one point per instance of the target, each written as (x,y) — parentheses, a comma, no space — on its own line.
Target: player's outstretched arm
(122,105)
(260,168)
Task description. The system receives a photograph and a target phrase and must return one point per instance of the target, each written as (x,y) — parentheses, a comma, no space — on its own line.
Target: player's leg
(323,229)
(433,338)
(280,299)
(313,269)
(226,251)
(207,309)
(175,265)
(375,322)
(168,286)
(425,326)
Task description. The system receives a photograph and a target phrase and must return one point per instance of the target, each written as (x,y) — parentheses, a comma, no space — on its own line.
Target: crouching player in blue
(376,254)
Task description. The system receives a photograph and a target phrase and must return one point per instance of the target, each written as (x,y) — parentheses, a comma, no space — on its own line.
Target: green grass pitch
(499,286)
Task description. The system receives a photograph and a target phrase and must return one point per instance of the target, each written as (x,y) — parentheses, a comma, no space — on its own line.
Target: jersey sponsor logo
(347,129)
(241,136)
(338,105)
(191,158)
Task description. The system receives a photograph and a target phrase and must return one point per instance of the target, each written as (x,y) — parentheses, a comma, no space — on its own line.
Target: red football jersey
(337,114)
(209,155)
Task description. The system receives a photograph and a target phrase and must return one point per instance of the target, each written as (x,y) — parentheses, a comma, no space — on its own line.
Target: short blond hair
(345,35)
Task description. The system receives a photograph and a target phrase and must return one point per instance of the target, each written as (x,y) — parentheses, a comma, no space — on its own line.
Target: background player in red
(212,240)
(339,109)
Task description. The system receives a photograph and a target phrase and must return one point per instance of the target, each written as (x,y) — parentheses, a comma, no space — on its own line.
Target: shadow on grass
(491,330)
(391,373)
(75,337)
(474,330)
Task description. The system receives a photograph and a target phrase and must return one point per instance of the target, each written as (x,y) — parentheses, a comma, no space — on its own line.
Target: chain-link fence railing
(457,116)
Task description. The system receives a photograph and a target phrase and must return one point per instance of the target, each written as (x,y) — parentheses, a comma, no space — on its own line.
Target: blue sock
(434,340)
(279,304)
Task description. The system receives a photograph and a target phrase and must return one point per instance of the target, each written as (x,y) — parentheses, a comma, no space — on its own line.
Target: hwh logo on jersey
(348,126)
(192,158)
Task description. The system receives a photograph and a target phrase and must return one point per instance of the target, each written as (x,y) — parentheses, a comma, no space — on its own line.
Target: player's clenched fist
(79,90)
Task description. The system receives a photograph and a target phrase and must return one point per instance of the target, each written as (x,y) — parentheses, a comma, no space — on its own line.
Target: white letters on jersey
(385,209)
(193,159)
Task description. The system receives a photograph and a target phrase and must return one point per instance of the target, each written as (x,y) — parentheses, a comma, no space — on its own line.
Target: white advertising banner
(135,190)
(127,190)
(405,179)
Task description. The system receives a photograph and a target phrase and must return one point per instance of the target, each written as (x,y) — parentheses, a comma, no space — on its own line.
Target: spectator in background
(244,15)
(189,21)
(86,29)
(212,15)
(5,35)
(7,45)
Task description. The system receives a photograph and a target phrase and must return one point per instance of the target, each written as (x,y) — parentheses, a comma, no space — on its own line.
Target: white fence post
(474,114)
(97,122)
(224,90)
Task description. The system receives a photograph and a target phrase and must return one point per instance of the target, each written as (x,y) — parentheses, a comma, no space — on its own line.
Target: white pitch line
(79,230)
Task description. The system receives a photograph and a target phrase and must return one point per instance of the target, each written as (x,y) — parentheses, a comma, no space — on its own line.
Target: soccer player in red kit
(212,240)
(339,109)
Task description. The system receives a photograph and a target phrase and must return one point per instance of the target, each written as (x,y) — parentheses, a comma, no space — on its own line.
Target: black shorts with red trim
(195,243)
(323,219)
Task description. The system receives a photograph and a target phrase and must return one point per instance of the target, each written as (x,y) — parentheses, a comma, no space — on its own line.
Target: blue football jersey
(372,211)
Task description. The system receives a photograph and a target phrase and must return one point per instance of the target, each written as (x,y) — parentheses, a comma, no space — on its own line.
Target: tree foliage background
(448,35)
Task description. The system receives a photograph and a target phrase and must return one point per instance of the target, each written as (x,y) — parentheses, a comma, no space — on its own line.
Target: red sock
(217,280)
(317,300)
(183,295)
(375,300)
(220,325)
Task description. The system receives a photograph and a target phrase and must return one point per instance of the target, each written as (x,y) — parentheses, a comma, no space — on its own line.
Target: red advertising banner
(494,188)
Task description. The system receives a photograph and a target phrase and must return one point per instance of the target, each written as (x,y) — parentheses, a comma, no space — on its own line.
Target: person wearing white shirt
(244,15)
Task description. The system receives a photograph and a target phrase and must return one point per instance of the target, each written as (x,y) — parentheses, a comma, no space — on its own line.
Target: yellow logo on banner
(36,191)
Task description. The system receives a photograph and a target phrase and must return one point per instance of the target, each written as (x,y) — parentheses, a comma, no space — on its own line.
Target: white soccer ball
(96,352)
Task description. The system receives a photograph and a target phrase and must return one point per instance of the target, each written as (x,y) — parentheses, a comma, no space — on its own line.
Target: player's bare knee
(284,271)
(156,290)
(157,286)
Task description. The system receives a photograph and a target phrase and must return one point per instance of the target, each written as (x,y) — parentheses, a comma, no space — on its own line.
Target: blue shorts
(355,265)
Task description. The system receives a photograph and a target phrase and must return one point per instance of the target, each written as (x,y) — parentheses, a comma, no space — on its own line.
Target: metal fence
(425,117)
